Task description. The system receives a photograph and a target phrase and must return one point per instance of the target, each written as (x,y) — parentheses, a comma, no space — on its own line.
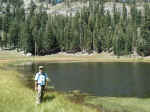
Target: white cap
(41,67)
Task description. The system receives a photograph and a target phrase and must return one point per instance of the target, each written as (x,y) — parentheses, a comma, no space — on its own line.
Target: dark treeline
(92,29)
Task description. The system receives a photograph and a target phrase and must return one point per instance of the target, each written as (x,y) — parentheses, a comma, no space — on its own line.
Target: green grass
(120,104)
(15,97)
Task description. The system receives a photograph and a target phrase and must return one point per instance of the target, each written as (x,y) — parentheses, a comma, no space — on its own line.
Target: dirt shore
(9,56)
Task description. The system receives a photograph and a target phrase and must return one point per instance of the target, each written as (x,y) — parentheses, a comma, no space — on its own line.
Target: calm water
(101,79)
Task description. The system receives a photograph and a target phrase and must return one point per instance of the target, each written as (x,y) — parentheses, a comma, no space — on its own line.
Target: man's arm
(36,84)
(36,81)
(47,79)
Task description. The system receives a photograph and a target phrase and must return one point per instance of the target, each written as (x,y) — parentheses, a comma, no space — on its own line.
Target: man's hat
(41,67)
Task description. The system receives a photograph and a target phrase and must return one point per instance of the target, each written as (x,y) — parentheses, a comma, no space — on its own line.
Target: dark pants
(40,93)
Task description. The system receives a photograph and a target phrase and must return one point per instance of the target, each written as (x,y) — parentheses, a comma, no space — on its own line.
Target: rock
(29,54)
(22,52)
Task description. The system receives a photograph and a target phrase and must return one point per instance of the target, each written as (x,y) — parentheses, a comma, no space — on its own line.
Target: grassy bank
(13,95)
(16,97)
(121,104)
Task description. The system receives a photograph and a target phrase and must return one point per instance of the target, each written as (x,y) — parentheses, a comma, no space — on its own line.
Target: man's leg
(42,92)
(39,93)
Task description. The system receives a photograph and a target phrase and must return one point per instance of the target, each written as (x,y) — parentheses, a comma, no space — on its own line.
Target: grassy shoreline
(70,59)
(11,56)
(16,97)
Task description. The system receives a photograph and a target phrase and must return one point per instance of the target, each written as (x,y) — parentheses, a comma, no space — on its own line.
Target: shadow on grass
(48,98)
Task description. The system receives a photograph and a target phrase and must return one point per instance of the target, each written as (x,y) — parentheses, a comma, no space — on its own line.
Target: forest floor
(16,97)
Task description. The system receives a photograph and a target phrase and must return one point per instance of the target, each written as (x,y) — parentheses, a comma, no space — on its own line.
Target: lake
(97,78)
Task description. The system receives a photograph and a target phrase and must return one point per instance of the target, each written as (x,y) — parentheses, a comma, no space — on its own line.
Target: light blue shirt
(41,78)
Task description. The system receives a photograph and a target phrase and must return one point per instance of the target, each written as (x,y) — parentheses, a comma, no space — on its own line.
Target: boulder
(29,54)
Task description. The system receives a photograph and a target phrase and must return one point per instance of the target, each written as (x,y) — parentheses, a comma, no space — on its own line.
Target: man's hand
(46,83)
(36,86)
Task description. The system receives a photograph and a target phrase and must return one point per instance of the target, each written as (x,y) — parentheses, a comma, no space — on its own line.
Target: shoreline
(12,56)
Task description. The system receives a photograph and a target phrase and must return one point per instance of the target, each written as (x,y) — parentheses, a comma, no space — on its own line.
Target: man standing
(41,80)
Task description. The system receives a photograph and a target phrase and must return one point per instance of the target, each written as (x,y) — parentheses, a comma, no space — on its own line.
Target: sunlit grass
(15,97)
(121,104)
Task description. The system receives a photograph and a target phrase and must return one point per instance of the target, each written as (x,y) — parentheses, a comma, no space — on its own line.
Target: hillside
(42,29)
(74,7)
